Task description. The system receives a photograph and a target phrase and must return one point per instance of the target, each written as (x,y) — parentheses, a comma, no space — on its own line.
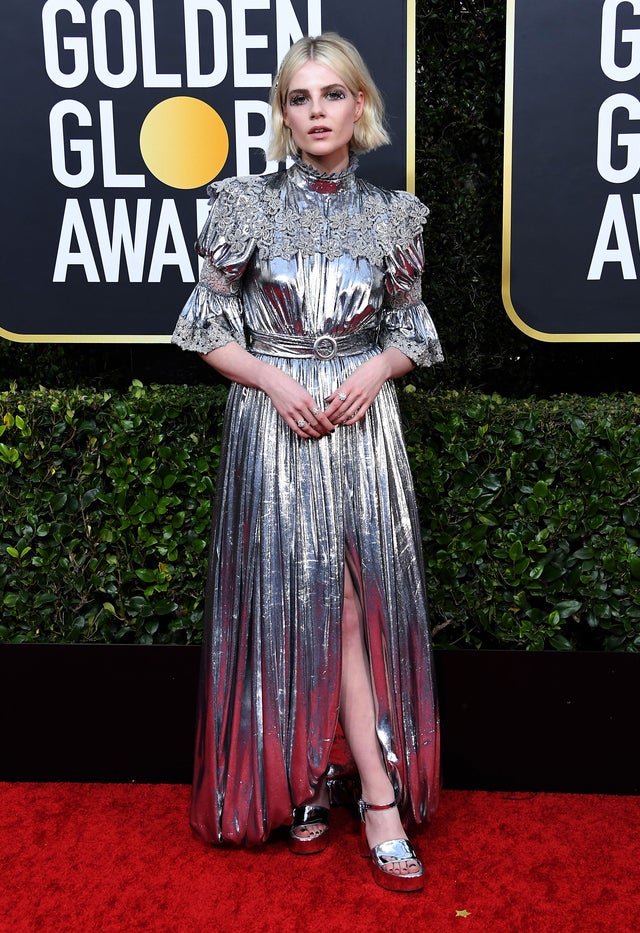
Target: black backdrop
(33,201)
(558,199)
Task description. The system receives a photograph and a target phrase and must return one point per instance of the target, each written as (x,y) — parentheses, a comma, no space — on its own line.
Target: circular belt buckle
(325,348)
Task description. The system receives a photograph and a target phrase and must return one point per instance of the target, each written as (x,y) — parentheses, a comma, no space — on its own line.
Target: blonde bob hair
(340,56)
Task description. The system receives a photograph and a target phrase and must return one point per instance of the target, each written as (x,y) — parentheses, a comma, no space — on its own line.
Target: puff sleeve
(406,323)
(212,315)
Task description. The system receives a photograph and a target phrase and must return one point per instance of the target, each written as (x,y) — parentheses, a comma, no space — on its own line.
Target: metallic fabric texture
(290,513)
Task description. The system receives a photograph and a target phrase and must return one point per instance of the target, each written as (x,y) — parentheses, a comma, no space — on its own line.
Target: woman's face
(321,111)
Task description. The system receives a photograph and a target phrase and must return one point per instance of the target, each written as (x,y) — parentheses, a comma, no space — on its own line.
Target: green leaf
(147,576)
(58,501)
(516,550)
(568,607)
(164,607)
(9,454)
(491,481)
(560,643)
(88,497)
(540,490)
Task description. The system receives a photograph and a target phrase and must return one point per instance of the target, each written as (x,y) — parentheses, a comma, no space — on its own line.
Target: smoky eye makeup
(301,95)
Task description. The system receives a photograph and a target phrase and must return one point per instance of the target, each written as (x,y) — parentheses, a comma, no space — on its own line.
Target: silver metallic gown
(314,274)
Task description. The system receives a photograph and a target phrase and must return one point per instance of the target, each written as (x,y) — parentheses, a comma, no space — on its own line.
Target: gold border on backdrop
(410,186)
(84,338)
(411,97)
(506,210)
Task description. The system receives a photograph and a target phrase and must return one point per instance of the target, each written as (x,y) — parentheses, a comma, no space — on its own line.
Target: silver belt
(323,347)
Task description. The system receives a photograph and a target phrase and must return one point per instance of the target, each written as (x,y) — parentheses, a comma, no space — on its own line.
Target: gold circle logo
(184,142)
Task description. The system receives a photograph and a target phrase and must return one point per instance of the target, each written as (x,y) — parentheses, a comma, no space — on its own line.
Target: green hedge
(530,511)
(106,511)
(531,519)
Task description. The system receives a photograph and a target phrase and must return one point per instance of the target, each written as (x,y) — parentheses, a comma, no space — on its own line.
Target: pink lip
(319,129)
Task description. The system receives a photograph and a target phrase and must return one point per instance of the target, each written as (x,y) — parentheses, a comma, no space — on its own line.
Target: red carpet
(98,858)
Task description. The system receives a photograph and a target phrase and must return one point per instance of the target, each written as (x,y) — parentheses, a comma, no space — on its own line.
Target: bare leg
(357,715)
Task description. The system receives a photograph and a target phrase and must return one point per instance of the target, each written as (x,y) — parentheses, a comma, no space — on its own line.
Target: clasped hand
(347,404)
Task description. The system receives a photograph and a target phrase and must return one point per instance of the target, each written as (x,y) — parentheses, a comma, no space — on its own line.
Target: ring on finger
(342,396)
(315,411)
(301,422)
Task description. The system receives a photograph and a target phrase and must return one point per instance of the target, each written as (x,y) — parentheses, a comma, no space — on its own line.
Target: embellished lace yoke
(279,238)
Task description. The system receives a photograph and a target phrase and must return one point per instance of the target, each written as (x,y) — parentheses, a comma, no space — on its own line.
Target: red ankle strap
(375,806)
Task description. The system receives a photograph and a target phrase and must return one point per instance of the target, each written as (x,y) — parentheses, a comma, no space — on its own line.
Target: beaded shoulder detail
(273,213)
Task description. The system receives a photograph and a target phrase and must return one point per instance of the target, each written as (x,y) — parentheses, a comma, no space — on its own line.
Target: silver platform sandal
(385,853)
(304,817)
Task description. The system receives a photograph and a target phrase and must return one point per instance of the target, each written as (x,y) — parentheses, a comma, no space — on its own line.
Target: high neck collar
(323,182)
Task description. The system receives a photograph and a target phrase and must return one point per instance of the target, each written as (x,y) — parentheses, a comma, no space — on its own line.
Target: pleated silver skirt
(288,514)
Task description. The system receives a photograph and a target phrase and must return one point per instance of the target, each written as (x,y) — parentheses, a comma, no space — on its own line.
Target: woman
(309,302)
